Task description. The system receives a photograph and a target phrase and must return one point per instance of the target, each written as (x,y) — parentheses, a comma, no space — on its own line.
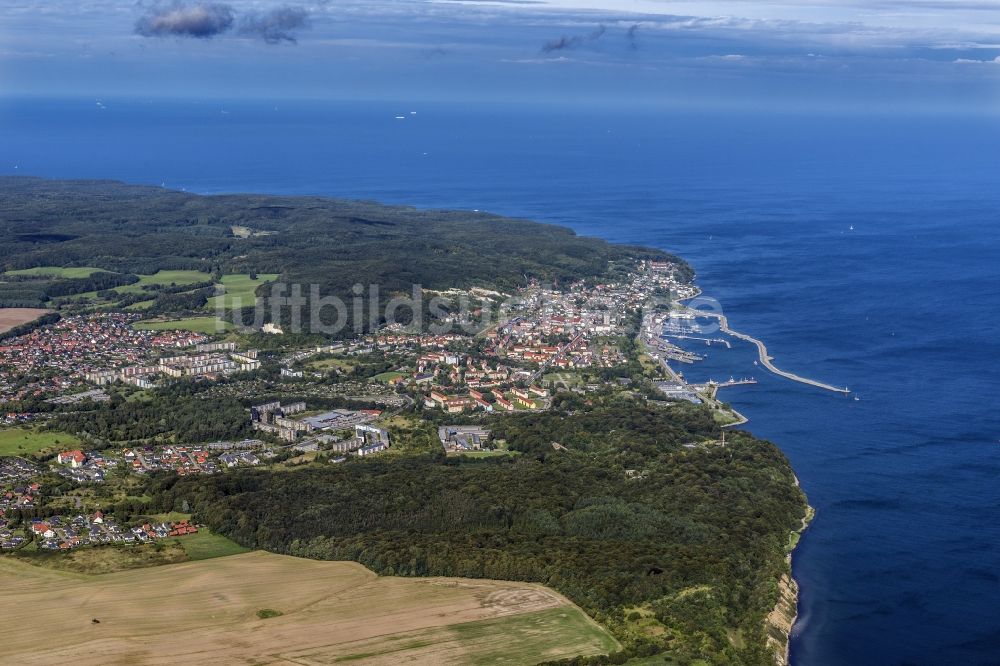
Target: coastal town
(547,341)
(524,410)
(372,333)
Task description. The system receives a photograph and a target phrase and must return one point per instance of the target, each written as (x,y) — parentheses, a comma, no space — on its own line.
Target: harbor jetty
(765,358)
(707,341)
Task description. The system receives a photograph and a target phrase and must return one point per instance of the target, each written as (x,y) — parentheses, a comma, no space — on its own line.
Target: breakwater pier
(765,358)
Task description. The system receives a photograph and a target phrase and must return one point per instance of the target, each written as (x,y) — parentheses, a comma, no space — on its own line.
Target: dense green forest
(168,416)
(130,229)
(673,547)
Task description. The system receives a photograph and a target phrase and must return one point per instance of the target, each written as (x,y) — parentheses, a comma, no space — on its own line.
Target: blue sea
(864,250)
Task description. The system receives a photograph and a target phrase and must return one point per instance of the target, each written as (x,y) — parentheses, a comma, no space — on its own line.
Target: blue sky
(854,55)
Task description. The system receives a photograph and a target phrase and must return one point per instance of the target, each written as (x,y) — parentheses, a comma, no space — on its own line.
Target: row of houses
(388,340)
(18,489)
(221,360)
(56,358)
(184,460)
(91,466)
(19,496)
(66,533)
(530,398)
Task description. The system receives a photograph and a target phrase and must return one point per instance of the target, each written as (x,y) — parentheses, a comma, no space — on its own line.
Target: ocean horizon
(863,250)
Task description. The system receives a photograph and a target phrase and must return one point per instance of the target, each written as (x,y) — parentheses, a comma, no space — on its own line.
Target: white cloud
(972,61)
(538,61)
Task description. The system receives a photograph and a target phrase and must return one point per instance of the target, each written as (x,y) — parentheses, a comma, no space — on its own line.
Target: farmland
(11,317)
(317,613)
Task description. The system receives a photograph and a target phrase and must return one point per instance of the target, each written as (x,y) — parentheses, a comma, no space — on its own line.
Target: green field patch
(25,441)
(59,272)
(723,417)
(205,545)
(386,377)
(90,297)
(158,279)
(207,325)
(239,290)
(164,279)
(527,638)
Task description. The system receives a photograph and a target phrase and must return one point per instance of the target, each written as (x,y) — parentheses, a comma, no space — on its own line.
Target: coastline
(785,610)
(780,622)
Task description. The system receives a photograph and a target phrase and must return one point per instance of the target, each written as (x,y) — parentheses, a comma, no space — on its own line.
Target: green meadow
(165,279)
(205,545)
(386,377)
(26,441)
(206,325)
(56,271)
(239,289)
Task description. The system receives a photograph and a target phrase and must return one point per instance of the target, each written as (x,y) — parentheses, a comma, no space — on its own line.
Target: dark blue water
(864,251)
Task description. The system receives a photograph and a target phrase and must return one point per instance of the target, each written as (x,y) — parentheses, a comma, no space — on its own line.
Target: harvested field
(11,317)
(330,612)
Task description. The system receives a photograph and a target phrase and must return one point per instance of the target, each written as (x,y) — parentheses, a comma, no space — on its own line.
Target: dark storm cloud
(573,41)
(179,19)
(275,26)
